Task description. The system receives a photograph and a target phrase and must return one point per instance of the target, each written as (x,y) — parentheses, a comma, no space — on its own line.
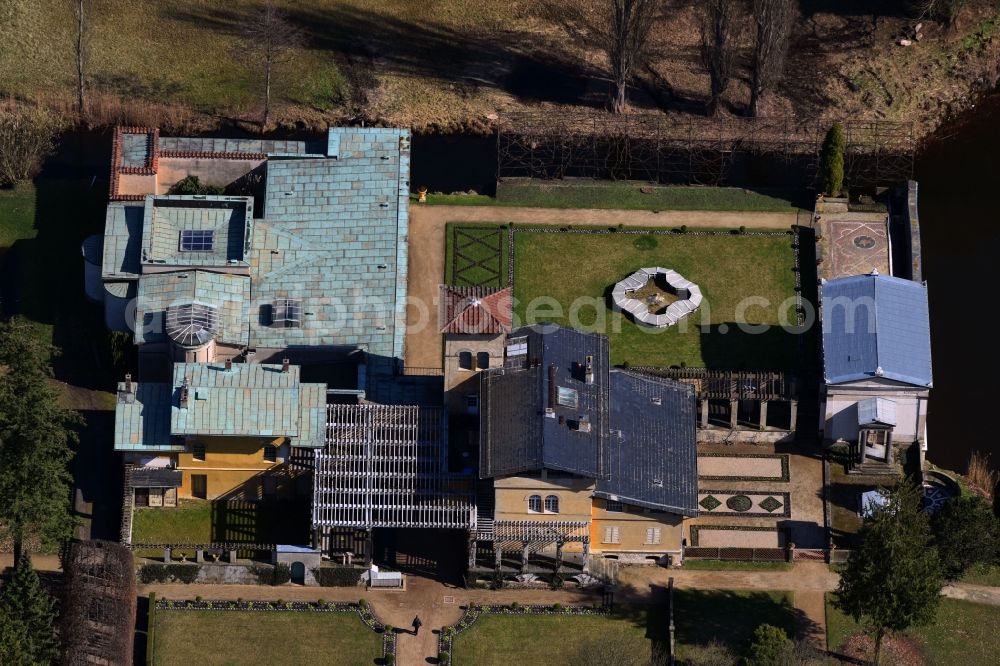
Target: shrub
(27,137)
(338,576)
(966,532)
(152,573)
(645,243)
(556,582)
(443,657)
(282,574)
(183,573)
(191,185)
(770,647)
(264,574)
(832,161)
(390,659)
(713,654)
(363,603)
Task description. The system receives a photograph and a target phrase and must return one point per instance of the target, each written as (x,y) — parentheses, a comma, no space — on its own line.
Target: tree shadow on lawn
(510,61)
(726,346)
(703,616)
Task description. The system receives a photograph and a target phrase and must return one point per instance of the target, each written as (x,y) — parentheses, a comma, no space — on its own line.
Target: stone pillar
(888,447)
(232,557)
(167,555)
(315,537)
(199,556)
(795,414)
(559,555)
(734,410)
(586,554)
(524,556)
(348,557)
(472,549)
(704,412)
(762,421)
(496,555)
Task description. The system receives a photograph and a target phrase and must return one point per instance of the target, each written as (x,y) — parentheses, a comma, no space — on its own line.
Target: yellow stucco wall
(632,524)
(230,462)
(512,492)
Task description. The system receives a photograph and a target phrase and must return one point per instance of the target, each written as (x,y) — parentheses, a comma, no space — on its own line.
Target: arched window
(535,504)
(551,504)
(465,360)
(483,360)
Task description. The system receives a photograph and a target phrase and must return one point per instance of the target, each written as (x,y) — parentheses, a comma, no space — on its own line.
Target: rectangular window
(199,486)
(568,397)
(652,536)
(611,505)
(286,313)
(472,404)
(198,452)
(270,453)
(197,240)
(611,535)
(517,346)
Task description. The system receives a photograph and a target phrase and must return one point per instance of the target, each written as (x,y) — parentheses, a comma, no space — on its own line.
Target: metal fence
(743,554)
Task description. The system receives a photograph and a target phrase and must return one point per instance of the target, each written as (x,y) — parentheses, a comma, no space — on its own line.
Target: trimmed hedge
(168,573)
(338,576)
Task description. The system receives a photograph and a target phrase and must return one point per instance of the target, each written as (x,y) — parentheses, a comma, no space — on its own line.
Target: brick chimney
(589,370)
(285,364)
(185,393)
(128,383)
(229,364)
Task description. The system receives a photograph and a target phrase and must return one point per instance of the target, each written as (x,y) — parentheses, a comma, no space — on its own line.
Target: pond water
(958,173)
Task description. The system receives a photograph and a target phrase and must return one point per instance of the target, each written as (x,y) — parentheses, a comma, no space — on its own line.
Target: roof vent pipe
(229,364)
(589,370)
(284,364)
(128,383)
(584,423)
(185,392)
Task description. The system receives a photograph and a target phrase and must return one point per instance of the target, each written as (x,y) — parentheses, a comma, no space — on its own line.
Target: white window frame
(653,536)
(611,534)
(531,499)
(552,500)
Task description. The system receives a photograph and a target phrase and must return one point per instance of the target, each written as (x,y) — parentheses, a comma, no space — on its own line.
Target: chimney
(584,423)
(185,391)
(589,370)
(128,383)
(229,364)
(284,364)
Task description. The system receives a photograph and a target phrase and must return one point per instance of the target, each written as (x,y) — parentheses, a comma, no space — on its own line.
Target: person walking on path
(416,625)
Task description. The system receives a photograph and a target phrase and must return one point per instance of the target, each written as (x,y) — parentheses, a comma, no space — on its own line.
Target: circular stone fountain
(653,310)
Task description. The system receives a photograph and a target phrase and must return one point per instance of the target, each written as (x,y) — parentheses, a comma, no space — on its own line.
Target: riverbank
(465,64)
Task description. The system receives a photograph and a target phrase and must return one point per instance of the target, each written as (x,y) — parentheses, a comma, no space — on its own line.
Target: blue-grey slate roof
(230,219)
(653,444)
(249,399)
(142,418)
(122,241)
(876,326)
(222,145)
(134,149)
(516,432)
(228,294)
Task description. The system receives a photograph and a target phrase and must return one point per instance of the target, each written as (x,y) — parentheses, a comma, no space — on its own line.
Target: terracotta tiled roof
(475,310)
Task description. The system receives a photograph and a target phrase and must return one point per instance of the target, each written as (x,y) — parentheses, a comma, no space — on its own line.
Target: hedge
(338,576)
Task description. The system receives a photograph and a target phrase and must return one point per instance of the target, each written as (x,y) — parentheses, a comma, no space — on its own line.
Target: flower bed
(473,612)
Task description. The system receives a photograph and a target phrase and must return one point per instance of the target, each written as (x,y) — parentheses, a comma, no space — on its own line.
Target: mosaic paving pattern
(859,247)
(744,503)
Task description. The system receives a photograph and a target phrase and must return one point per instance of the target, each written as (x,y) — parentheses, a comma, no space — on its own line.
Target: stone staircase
(876,468)
(485,507)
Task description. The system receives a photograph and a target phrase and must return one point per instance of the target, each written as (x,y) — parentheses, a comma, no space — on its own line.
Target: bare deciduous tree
(27,137)
(773,24)
(631,21)
(718,46)
(270,41)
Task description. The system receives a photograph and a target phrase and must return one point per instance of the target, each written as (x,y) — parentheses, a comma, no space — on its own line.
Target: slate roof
(142,418)
(228,294)
(475,310)
(122,241)
(157,477)
(229,219)
(876,410)
(522,425)
(653,451)
(135,150)
(248,400)
(222,146)
(876,326)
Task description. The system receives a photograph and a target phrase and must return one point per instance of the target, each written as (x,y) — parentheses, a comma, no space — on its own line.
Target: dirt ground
(427,247)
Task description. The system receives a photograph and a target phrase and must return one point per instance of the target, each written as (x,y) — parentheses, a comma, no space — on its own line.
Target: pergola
(528,536)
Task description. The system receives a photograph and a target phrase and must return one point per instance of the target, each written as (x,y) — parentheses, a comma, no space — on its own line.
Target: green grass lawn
(962,633)
(728,268)
(498,640)
(728,617)
(724,565)
(189,522)
(476,255)
(632,195)
(983,574)
(187,637)
(17,215)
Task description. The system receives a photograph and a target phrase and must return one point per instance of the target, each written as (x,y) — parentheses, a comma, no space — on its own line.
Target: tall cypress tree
(35,438)
(30,614)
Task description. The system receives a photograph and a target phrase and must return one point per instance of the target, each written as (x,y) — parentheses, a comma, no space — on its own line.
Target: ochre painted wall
(230,462)
(632,524)
(512,492)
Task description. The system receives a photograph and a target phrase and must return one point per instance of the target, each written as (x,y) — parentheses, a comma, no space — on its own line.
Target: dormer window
(286,313)
(197,240)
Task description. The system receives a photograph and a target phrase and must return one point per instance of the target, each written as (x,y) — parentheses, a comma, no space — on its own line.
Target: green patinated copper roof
(122,241)
(228,219)
(142,418)
(228,294)
(248,400)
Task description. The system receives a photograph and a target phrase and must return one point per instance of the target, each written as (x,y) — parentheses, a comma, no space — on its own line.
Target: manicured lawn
(476,255)
(723,565)
(962,633)
(728,616)
(17,215)
(633,195)
(189,522)
(730,269)
(499,640)
(188,637)
(982,574)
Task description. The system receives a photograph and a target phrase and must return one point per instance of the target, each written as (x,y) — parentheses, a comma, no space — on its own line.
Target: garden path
(980,594)
(427,247)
